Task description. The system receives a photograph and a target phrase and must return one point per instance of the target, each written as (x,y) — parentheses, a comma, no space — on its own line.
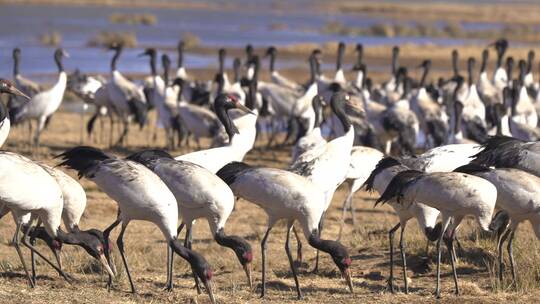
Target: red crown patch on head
(248,256)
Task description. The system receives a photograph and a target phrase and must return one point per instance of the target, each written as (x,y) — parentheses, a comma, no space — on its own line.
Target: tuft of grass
(133,19)
(383,30)
(190,40)
(106,39)
(51,38)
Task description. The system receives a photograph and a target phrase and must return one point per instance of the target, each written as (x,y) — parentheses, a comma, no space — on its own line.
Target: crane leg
(15,242)
(106,234)
(187,244)
(263,254)
(299,246)
(451,253)
(502,239)
(445,222)
(391,238)
(511,256)
(120,244)
(403,259)
(321,226)
(291,262)
(169,286)
(346,202)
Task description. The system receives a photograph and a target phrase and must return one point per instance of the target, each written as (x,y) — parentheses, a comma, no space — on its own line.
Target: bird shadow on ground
(15,275)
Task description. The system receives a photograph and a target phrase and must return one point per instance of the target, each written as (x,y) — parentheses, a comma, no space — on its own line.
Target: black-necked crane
(199,194)
(391,85)
(7,87)
(500,76)
(313,139)
(198,120)
(524,111)
(360,68)
(43,104)
(214,159)
(487,91)
(455,195)
(474,110)
(509,152)
(510,122)
(221,78)
(26,85)
(286,195)
(140,195)
(276,77)
(528,80)
(44,203)
(518,194)
(126,98)
(339,77)
(327,165)
(90,89)
(397,122)
(163,97)
(236,87)
(432,118)
(378,180)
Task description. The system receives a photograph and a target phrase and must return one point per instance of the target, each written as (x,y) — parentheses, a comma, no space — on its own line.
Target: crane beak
(243,108)
(13,90)
(65,54)
(347,275)
(105,264)
(208,286)
(247,269)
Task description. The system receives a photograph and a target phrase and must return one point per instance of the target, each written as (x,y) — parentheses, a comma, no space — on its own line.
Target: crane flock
(437,152)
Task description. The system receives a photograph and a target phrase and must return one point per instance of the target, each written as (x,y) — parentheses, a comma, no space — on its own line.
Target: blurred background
(83,28)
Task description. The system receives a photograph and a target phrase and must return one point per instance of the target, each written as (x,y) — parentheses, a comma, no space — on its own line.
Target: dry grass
(146,250)
(507,13)
(452,29)
(144,19)
(106,39)
(50,38)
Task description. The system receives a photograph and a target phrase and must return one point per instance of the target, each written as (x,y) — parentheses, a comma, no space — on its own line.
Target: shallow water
(21,26)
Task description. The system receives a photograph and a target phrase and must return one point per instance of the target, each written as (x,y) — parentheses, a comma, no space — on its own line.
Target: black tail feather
(82,159)
(140,110)
(499,151)
(384,163)
(147,157)
(232,170)
(471,169)
(398,184)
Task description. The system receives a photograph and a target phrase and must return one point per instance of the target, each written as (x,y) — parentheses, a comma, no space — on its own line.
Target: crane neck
(114,59)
